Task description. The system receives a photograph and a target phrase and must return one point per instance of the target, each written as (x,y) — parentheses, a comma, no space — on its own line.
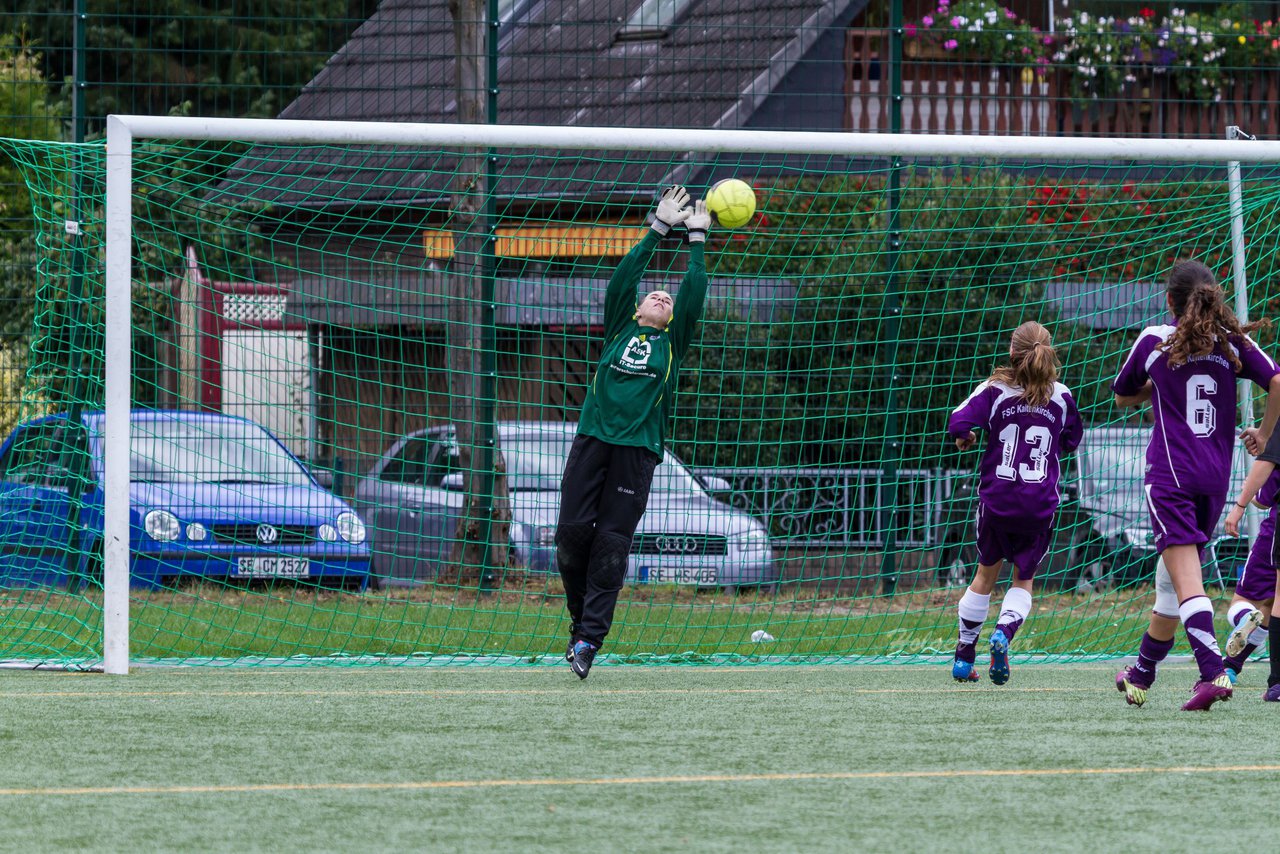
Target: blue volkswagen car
(212,496)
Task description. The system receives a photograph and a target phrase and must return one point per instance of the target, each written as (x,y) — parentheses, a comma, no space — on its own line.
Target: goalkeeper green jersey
(630,396)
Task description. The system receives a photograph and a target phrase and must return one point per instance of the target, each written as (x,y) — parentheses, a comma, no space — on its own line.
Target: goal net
(349,360)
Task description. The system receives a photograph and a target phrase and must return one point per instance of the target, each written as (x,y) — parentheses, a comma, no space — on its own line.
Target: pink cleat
(1205,694)
(1135,693)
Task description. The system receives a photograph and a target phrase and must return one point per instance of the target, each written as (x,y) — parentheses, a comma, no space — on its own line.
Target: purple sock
(1197,621)
(968,651)
(1150,653)
(1011,627)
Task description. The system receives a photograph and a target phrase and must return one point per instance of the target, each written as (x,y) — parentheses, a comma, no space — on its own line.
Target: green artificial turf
(633,759)
(211,622)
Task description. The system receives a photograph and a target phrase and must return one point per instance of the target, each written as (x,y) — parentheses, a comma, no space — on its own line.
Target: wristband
(1242,506)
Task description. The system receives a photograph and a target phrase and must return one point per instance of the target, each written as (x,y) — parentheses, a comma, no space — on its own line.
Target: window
(407,466)
(45,455)
(653,20)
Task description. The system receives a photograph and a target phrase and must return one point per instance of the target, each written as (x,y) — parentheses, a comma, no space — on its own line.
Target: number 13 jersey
(1020,467)
(1194,406)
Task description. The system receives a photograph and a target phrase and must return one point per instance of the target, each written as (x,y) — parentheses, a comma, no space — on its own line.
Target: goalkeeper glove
(671,209)
(699,222)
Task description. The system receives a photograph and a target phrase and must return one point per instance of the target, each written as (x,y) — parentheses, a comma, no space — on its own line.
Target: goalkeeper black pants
(602,497)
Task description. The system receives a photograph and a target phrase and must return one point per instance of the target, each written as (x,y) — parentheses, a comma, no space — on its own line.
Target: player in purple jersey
(1188,370)
(1261,487)
(1031,420)
(1250,610)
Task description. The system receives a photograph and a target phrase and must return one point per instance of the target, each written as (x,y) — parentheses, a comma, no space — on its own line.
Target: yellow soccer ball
(732,201)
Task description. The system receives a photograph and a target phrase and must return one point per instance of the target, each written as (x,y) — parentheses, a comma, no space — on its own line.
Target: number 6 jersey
(1194,407)
(1020,467)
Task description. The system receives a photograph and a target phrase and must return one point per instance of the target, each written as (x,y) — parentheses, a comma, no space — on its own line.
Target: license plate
(677,575)
(273,567)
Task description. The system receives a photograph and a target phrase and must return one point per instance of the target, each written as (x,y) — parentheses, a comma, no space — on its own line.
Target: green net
(357,370)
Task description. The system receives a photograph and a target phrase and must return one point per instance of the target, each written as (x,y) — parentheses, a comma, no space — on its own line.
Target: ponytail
(1033,365)
(1204,319)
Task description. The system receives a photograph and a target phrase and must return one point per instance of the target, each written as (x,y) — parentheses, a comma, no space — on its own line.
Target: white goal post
(122,131)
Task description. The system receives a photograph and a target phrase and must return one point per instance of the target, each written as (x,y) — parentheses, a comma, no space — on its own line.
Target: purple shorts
(1181,518)
(1022,545)
(1258,578)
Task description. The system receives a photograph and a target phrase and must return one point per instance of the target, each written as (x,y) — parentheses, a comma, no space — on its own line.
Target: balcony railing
(945,94)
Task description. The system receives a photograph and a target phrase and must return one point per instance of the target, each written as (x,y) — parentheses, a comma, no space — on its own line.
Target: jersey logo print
(637,353)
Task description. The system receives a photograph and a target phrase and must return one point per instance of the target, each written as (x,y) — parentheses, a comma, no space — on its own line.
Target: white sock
(1016,606)
(1237,611)
(1258,637)
(973,608)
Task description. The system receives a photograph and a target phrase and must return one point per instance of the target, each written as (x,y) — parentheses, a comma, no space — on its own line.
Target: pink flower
(955,22)
(951,44)
(927,20)
(943,4)
(1025,50)
(1048,39)
(910,30)
(1009,13)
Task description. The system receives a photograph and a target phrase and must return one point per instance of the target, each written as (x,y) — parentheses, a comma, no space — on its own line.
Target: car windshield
(1111,476)
(535,461)
(178,451)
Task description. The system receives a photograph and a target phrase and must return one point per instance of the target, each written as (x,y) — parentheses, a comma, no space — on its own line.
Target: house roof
(560,64)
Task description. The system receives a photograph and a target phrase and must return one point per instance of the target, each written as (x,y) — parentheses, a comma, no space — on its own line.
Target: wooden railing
(943,95)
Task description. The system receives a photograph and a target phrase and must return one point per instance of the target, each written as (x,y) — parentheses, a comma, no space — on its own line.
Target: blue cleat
(999,669)
(1232,674)
(962,671)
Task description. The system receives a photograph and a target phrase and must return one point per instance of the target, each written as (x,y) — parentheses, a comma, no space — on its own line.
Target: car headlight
(161,526)
(197,532)
(754,540)
(350,528)
(328,533)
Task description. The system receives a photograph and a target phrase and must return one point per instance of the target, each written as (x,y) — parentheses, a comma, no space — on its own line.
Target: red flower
(1147,13)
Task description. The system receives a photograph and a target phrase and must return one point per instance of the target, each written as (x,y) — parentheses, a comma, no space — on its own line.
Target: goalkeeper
(620,434)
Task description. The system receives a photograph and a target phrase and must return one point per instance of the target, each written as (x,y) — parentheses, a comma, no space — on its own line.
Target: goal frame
(123,130)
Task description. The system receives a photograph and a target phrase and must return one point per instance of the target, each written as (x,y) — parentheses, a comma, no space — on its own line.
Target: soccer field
(635,758)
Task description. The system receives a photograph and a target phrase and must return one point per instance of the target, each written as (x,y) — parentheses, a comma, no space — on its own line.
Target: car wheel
(958,571)
(1088,570)
(1094,577)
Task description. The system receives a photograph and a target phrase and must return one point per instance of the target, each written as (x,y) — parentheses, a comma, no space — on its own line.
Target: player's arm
(620,297)
(1132,386)
(969,416)
(1138,398)
(1072,427)
(1256,438)
(1261,469)
(1258,474)
(692,296)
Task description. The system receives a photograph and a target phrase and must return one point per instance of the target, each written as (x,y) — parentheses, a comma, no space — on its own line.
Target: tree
(248,58)
(481,543)
(27,112)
